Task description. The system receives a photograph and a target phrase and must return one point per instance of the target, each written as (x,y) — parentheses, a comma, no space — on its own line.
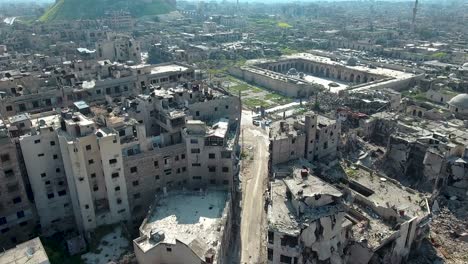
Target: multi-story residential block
(306,221)
(92,158)
(43,160)
(210,152)
(17,214)
(118,48)
(83,80)
(312,137)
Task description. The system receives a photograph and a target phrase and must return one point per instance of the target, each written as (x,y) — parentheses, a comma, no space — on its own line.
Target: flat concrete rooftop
(30,251)
(186,216)
(388,194)
(168,68)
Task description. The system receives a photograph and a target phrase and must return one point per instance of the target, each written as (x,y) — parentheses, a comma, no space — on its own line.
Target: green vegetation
(254,102)
(288,51)
(241,86)
(439,55)
(417,95)
(300,111)
(92,9)
(278,98)
(352,173)
(264,21)
(284,25)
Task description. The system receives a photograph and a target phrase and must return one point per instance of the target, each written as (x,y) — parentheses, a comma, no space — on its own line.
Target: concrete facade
(46,172)
(17,213)
(306,221)
(312,137)
(94,167)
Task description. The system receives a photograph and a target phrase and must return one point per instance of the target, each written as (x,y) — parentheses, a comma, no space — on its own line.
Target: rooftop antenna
(415,11)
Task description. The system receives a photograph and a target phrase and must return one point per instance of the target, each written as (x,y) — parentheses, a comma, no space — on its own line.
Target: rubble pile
(449,236)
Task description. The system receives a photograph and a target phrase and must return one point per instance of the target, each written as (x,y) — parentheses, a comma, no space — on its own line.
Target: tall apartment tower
(17,216)
(43,161)
(93,164)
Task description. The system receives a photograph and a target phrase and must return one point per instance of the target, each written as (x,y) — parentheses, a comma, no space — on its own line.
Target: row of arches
(323,71)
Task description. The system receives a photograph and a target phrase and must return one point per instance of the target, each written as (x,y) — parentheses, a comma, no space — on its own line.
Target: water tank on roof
(157,236)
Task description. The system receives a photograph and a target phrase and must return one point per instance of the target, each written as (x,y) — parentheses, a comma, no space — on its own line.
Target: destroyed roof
(219,129)
(280,211)
(387,193)
(309,186)
(187,217)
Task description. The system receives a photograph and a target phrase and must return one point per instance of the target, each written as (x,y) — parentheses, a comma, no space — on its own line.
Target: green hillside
(91,9)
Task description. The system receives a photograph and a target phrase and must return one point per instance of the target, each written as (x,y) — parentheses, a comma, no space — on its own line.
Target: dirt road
(255,178)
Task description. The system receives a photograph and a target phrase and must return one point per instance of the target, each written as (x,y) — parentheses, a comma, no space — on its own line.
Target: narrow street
(255,178)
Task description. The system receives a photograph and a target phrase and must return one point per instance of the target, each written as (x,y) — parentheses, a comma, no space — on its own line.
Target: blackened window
(20,214)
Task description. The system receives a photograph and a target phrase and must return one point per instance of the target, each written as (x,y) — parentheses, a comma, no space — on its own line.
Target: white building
(93,164)
(458,105)
(210,153)
(186,227)
(43,160)
(119,48)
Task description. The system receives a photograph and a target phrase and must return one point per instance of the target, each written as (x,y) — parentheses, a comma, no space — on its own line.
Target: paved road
(255,177)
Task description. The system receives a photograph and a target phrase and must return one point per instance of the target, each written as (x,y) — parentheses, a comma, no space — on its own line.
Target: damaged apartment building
(425,152)
(91,165)
(364,218)
(311,136)
(43,90)
(17,214)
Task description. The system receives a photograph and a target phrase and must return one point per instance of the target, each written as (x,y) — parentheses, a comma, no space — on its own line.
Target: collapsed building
(306,221)
(389,220)
(427,154)
(364,218)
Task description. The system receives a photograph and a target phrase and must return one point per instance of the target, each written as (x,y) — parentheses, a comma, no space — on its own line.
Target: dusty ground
(254,181)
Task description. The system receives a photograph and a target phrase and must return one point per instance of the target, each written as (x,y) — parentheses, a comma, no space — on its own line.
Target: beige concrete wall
(14,199)
(43,161)
(287,149)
